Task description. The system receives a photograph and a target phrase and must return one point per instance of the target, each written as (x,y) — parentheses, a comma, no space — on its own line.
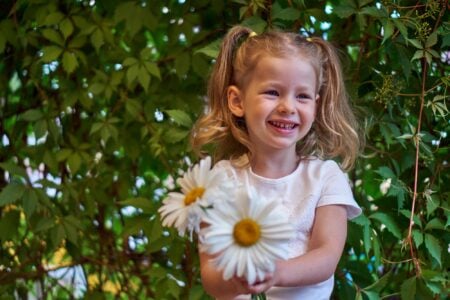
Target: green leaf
(132,73)
(69,61)
(132,14)
(129,61)
(407,214)
(70,232)
(432,40)
(380,284)
(344,11)
(74,162)
(40,128)
(153,69)
(13,169)
(386,172)
(435,223)
(432,204)
(371,295)
(199,65)
(77,42)
(97,39)
(256,23)
(51,53)
(134,225)
(358,295)
(211,50)
(32,115)
(134,107)
(29,201)
(156,230)
(408,289)
(361,220)
(44,224)
(182,64)
(417,237)
(144,78)
(415,43)
(53,36)
(57,234)
(54,18)
(374,12)
(388,31)
(9,225)
(287,14)
(96,88)
(180,117)
(388,221)
(66,27)
(433,247)
(175,135)
(401,27)
(11,193)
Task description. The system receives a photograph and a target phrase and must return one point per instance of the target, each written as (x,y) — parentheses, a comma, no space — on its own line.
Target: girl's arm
(325,247)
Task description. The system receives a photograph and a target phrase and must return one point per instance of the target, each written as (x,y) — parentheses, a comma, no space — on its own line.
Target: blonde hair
(334,132)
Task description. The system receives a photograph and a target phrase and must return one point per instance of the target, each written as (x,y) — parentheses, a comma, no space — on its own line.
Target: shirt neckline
(277,180)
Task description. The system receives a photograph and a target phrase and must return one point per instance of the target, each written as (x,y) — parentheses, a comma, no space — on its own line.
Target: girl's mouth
(283,125)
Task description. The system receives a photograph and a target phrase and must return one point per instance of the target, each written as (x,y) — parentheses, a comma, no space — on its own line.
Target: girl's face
(278,102)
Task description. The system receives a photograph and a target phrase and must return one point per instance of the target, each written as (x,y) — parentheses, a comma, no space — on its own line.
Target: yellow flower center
(246,232)
(193,195)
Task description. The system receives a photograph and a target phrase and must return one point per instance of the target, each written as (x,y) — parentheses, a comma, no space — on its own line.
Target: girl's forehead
(279,64)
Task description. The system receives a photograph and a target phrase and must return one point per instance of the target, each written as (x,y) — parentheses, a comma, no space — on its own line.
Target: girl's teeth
(283,125)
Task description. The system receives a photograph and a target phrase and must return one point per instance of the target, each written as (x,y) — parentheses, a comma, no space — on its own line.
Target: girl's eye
(303,97)
(271,93)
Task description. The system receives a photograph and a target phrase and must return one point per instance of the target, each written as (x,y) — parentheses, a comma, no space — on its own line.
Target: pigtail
(335,126)
(218,126)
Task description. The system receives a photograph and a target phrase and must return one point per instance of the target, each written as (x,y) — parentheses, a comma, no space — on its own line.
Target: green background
(97,99)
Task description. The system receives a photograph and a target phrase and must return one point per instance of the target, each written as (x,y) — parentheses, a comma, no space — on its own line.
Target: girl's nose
(286,106)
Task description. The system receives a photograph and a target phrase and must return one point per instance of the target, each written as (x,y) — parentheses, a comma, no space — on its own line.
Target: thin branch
(416,172)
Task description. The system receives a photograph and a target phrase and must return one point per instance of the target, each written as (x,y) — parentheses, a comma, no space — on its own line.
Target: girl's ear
(234,98)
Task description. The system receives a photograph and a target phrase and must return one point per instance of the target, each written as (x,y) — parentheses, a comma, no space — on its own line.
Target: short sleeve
(336,190)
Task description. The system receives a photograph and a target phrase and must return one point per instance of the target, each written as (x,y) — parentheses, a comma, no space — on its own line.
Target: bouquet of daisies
(245,231)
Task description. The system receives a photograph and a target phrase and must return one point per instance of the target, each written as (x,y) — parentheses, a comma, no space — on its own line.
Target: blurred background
(97,98)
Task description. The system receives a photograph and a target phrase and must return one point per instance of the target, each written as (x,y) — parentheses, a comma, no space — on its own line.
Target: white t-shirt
(313,184)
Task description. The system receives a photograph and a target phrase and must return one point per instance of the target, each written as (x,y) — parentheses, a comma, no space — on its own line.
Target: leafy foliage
(96,102)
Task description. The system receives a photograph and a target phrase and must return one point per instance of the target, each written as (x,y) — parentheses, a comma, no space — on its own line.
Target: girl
(277,111)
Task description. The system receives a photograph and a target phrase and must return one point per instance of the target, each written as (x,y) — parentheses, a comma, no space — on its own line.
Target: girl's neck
(274,166)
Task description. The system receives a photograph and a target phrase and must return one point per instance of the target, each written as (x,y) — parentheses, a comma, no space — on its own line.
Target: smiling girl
(277,115)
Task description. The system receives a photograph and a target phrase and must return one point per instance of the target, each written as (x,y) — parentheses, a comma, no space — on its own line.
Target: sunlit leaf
(51,53)
(70,62)
(66,27)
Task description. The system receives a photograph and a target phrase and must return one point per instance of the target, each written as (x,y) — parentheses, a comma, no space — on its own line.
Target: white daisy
(200,186)
(248,235)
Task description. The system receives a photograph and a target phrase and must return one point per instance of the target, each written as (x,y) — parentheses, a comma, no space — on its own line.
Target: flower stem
(260,296)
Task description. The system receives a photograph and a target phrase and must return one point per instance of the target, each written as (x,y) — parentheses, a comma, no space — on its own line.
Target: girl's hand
(243,287)
(262,286)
